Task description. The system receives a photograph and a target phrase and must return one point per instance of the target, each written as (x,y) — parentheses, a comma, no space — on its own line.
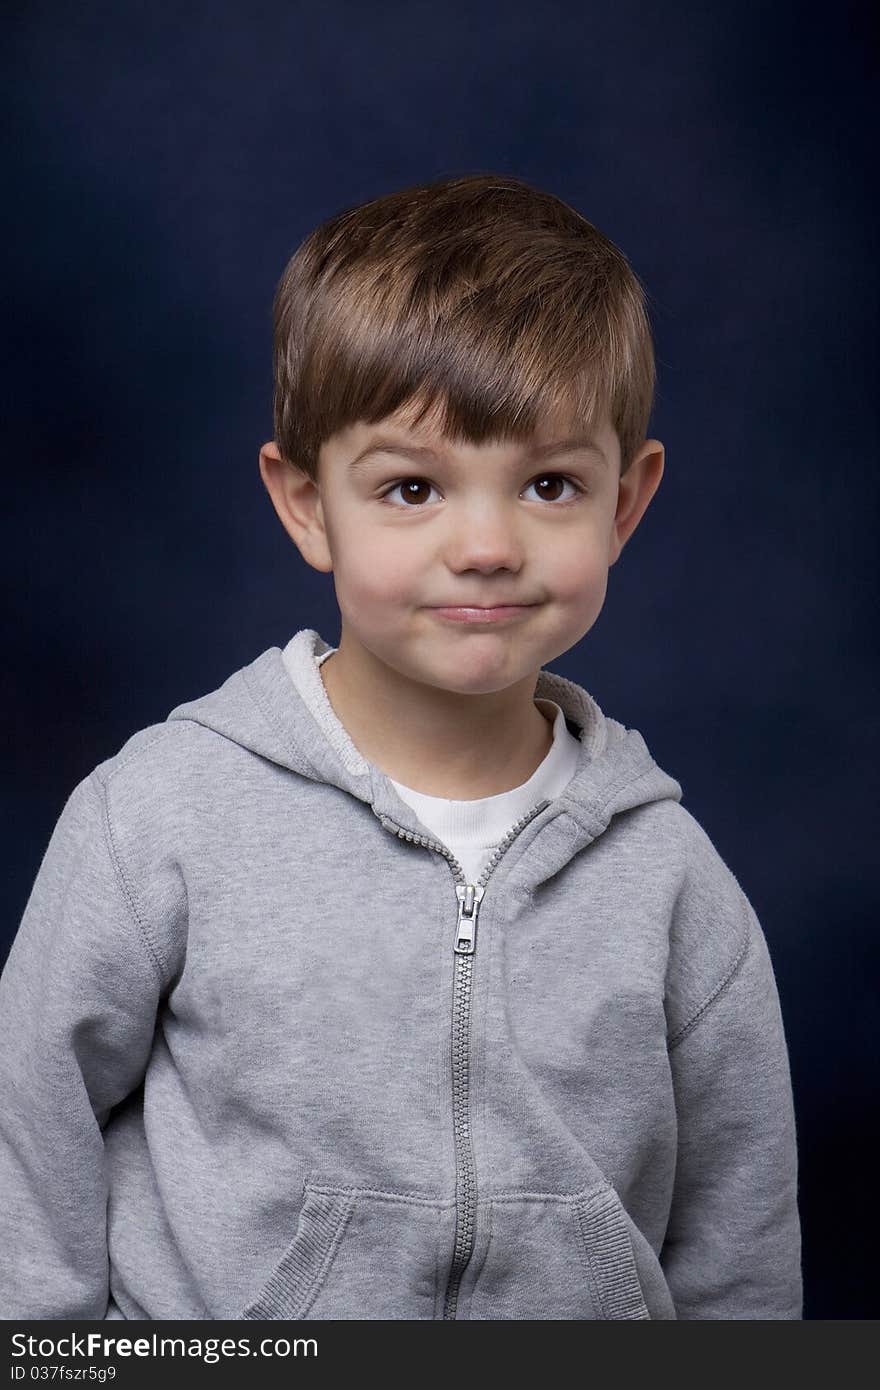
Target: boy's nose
(485,541)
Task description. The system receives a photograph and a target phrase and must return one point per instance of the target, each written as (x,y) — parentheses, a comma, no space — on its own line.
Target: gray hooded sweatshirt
(267,1055)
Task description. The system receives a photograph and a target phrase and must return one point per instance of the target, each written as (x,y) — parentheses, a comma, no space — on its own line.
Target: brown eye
(549,487)
(415,490)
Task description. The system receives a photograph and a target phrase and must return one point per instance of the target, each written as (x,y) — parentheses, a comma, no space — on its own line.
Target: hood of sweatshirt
(277,707)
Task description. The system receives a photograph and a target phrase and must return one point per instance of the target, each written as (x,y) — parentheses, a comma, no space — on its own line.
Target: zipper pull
(469,897)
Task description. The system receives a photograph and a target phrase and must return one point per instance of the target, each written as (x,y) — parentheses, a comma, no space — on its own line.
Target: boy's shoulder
(154,767)
(144,753)
(648,814)
(686,887)
(202,743)
(218,761)
(712,924)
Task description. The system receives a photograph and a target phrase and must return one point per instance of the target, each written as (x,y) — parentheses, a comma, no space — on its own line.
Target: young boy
(392,979)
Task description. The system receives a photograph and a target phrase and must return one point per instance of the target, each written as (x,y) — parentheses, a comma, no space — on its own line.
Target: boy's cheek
(581,580)
(376,582)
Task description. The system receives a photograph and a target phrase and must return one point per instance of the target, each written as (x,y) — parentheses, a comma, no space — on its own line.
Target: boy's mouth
(500,613)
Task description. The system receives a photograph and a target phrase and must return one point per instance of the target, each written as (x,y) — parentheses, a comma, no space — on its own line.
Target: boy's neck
(438,742)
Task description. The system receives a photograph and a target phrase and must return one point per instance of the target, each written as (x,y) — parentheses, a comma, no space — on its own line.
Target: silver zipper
(469,896)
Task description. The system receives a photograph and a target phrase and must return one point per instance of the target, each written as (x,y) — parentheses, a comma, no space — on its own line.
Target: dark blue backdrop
(163,163)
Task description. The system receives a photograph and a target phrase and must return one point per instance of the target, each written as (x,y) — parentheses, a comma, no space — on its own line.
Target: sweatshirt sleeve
(733,1244)
(78,1001)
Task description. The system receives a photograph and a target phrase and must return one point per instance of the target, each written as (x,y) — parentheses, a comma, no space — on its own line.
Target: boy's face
(408,534)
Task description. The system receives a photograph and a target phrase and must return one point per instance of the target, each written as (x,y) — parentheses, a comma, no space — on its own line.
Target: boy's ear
(297,501)
(635,490)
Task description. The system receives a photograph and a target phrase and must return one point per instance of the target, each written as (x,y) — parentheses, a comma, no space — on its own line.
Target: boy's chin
(475,674)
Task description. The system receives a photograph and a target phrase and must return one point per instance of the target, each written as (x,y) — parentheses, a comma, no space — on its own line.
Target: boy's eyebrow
(578,443)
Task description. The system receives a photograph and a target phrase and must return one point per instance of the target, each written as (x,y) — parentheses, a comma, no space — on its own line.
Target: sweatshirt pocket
(358,1253)
(569,1256)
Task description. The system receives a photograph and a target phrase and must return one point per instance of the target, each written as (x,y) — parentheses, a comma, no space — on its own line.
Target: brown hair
(478,296)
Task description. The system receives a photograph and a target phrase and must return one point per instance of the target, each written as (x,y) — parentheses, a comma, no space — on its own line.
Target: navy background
(162,165)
